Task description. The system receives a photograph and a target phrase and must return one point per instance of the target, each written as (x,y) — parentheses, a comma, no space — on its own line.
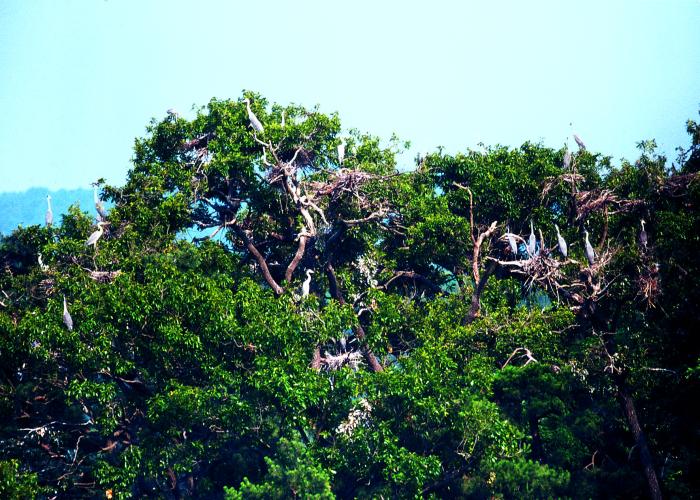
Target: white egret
(254,122)
(341,151)
(67,320)
(307,284)
(94,237)
(532,243)
(590,254)
(562,243)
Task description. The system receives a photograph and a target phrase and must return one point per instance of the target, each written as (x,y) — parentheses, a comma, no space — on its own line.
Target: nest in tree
(677,185)
(46,286)
(567,178)
(649,286)
(601,200)
(104,276)
(343,181)
(353,359)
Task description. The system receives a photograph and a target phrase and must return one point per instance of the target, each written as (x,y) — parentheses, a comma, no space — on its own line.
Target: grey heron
(643,238)
(283,114)
(511,242)
(254,122)
(49,213)
(567,160)
(94,237)
(580,143)
(307,284)
(67,320)
(532,243)
(562,243)
(99,204)
(590,254)
(172,112)
(341,151)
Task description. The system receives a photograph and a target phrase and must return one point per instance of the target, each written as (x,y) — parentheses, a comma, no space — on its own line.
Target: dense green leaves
(198,368)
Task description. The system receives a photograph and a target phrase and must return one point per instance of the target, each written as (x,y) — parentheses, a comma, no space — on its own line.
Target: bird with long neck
(562,242)
(511,242)
(67,320)
(590,254)
(306,286)
(254,122)
(94,237)
(643,238)
(49,213)
(532,243)
(579,142)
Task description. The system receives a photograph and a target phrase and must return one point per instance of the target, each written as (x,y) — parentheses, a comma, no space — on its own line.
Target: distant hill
(29,207)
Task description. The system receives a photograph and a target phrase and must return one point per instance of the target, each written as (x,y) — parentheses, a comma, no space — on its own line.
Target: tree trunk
(359,331)
(640,440)
(537,450)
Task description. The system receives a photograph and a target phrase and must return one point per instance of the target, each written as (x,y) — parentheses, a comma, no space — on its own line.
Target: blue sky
(79,80)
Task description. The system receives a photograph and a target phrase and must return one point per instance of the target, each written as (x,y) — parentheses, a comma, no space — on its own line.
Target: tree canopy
(444,348)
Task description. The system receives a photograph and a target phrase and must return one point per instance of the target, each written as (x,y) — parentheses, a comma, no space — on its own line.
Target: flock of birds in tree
(532,247)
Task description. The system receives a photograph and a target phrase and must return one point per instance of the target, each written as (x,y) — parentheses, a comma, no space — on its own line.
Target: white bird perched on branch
(49,213)
(532,243)
(94,237)
(307,284)
(590,254)
(511,242)
(341,151)
(567,160)
(254,122)
(562,243)
(67,320)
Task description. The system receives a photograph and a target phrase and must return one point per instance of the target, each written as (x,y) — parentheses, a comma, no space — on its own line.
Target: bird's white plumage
(254,122)
(532,243)
(563,248)
(580,143)
(341,152)
(67,319)
(590,254)
(511,242)
(94,237)
(306,286)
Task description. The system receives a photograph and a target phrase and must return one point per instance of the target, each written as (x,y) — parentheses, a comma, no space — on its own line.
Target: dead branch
(527,354)
(598,200)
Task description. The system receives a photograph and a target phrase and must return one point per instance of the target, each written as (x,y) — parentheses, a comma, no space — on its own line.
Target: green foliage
(16,484)
(292,472)
(196,368)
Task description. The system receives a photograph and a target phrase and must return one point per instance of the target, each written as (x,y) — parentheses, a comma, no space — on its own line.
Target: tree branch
(359,331)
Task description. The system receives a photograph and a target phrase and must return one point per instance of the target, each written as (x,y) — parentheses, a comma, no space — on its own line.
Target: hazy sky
(79,80)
